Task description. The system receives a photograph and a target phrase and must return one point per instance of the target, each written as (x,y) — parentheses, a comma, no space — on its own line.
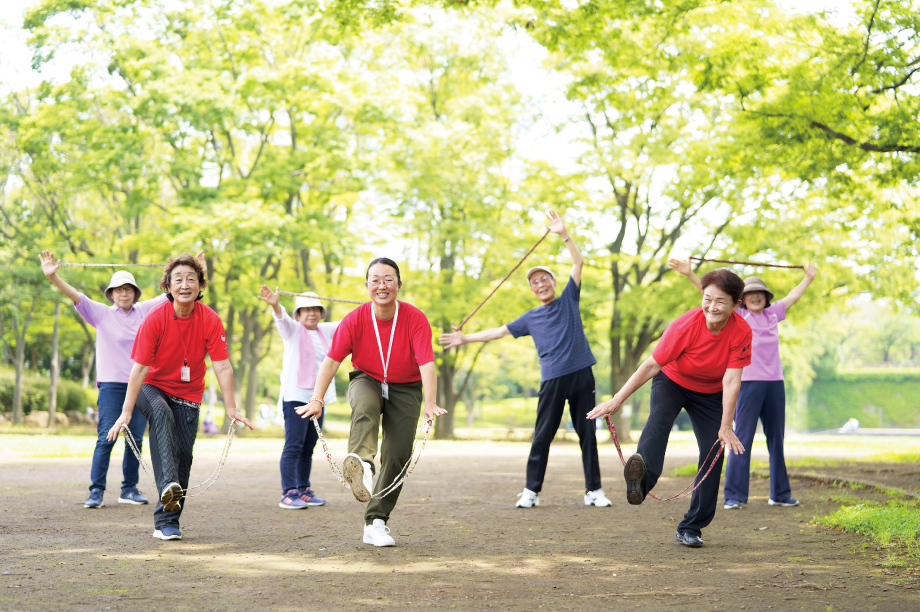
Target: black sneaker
(634,472)
(688,539)
(95,499)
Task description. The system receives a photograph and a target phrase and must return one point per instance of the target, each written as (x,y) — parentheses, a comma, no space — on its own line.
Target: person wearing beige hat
(762,395)
(116,327)
(306,342)
(565,369)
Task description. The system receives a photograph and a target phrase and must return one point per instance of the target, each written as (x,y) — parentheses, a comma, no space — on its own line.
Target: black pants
(173,429)
(705,411)
(578,389)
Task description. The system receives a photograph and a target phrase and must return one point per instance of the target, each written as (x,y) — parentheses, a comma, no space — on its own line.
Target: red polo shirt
(411,343)
(695,358)
(162,342)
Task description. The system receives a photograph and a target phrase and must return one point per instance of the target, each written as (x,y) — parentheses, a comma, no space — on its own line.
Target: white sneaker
(597,498)
(378,534)
(359,477)
(529,499)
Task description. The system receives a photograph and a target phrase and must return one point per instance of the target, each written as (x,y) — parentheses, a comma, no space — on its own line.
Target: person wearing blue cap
(565,369)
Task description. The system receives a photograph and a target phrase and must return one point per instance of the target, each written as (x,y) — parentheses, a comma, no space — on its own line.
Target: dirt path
(461,544)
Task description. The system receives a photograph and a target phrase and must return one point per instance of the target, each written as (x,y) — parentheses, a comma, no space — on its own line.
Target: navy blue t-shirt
(558,334)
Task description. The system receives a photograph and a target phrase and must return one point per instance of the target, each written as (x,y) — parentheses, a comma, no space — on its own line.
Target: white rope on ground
(208,481)
(328,299)
(403,473)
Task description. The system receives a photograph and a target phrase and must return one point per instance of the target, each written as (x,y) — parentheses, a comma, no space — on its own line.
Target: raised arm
(224,373)
(323,379)
(645,373)
(684,268)
(557,226)
(458,338)
(811,271)
(50,268)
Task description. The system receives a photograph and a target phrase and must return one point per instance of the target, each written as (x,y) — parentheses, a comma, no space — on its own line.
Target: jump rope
(408,468)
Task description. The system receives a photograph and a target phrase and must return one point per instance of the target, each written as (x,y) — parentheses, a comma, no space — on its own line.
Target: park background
(294,141)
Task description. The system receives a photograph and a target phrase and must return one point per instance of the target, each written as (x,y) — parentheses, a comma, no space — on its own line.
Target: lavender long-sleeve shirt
(115,332)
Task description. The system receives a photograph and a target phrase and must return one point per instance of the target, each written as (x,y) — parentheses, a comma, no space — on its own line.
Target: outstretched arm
(731,385)
(272,298)
(430,390)
(135,380)
(684,268)
(323,379)
(458,338)
(645,373)
(811,271)
(557,226)
(50,268)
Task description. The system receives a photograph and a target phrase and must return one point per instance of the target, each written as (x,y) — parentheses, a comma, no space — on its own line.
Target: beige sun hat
(120,278)
(754,283)
(308,300)
(543,268)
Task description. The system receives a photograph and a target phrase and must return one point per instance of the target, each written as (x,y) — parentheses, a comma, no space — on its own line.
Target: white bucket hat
(544,268)
(122,278)
(308,300)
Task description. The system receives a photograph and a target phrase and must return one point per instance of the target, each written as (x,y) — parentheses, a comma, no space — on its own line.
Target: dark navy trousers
(300,439)
(764,400)
(111,399)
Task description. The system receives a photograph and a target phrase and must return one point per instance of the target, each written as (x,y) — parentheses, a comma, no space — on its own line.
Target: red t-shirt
(159,344)
(695,358)
(411,343)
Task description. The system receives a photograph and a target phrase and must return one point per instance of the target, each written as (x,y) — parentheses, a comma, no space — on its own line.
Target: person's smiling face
(718,307)
(755,301)
(124,296)
(543,286)
(184,285)
(382,284)
(310,316)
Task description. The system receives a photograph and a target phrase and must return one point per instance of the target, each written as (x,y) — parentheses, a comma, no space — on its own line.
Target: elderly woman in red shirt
(696,366)
(167,383)
(390,347)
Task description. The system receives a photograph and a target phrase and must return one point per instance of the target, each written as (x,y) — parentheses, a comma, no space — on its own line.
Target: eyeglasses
(537,281)
(387,282)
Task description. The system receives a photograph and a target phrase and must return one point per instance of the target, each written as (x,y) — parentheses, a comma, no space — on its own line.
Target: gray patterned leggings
(173,429)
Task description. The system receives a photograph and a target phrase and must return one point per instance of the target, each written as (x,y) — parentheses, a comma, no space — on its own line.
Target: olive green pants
(399,415)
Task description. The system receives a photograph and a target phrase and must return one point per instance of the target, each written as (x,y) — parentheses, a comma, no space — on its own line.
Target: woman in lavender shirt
(116,326)
(763,393)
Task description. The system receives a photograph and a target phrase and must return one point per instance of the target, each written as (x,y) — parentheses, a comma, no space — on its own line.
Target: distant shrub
(71,395)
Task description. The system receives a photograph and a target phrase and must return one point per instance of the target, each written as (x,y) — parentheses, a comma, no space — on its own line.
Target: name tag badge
(385,390)
(186,374)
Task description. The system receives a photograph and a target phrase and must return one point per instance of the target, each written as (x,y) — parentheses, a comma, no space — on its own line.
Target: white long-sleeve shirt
(290,335)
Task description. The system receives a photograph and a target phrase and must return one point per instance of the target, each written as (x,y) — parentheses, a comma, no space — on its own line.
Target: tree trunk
(447,399)
(4,353)
(19,333)
(55,364)
(86,363)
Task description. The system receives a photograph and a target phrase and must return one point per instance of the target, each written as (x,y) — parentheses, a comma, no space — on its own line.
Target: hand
(310,410)
(49,266)
(728,438)
(433,411)
(202,260)
(455,339)
(811,271)
(233,415)
(556,224)
(122,421)
(604,408)
(681,266)
(269,297)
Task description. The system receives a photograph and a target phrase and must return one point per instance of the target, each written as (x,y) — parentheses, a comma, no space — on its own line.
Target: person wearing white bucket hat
(565,369)
(116,327)
(306,342)
(763,394)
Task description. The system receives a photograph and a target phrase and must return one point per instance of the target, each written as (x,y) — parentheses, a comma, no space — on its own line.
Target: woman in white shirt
(306,342)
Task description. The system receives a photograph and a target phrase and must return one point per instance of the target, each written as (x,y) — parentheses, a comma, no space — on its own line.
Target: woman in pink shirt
(763,393)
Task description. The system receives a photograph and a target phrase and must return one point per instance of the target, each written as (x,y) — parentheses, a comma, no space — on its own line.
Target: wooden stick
(748,263)
(316,297)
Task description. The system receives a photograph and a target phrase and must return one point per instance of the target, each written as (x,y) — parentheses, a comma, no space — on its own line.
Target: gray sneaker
(132,496)
(95,499)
